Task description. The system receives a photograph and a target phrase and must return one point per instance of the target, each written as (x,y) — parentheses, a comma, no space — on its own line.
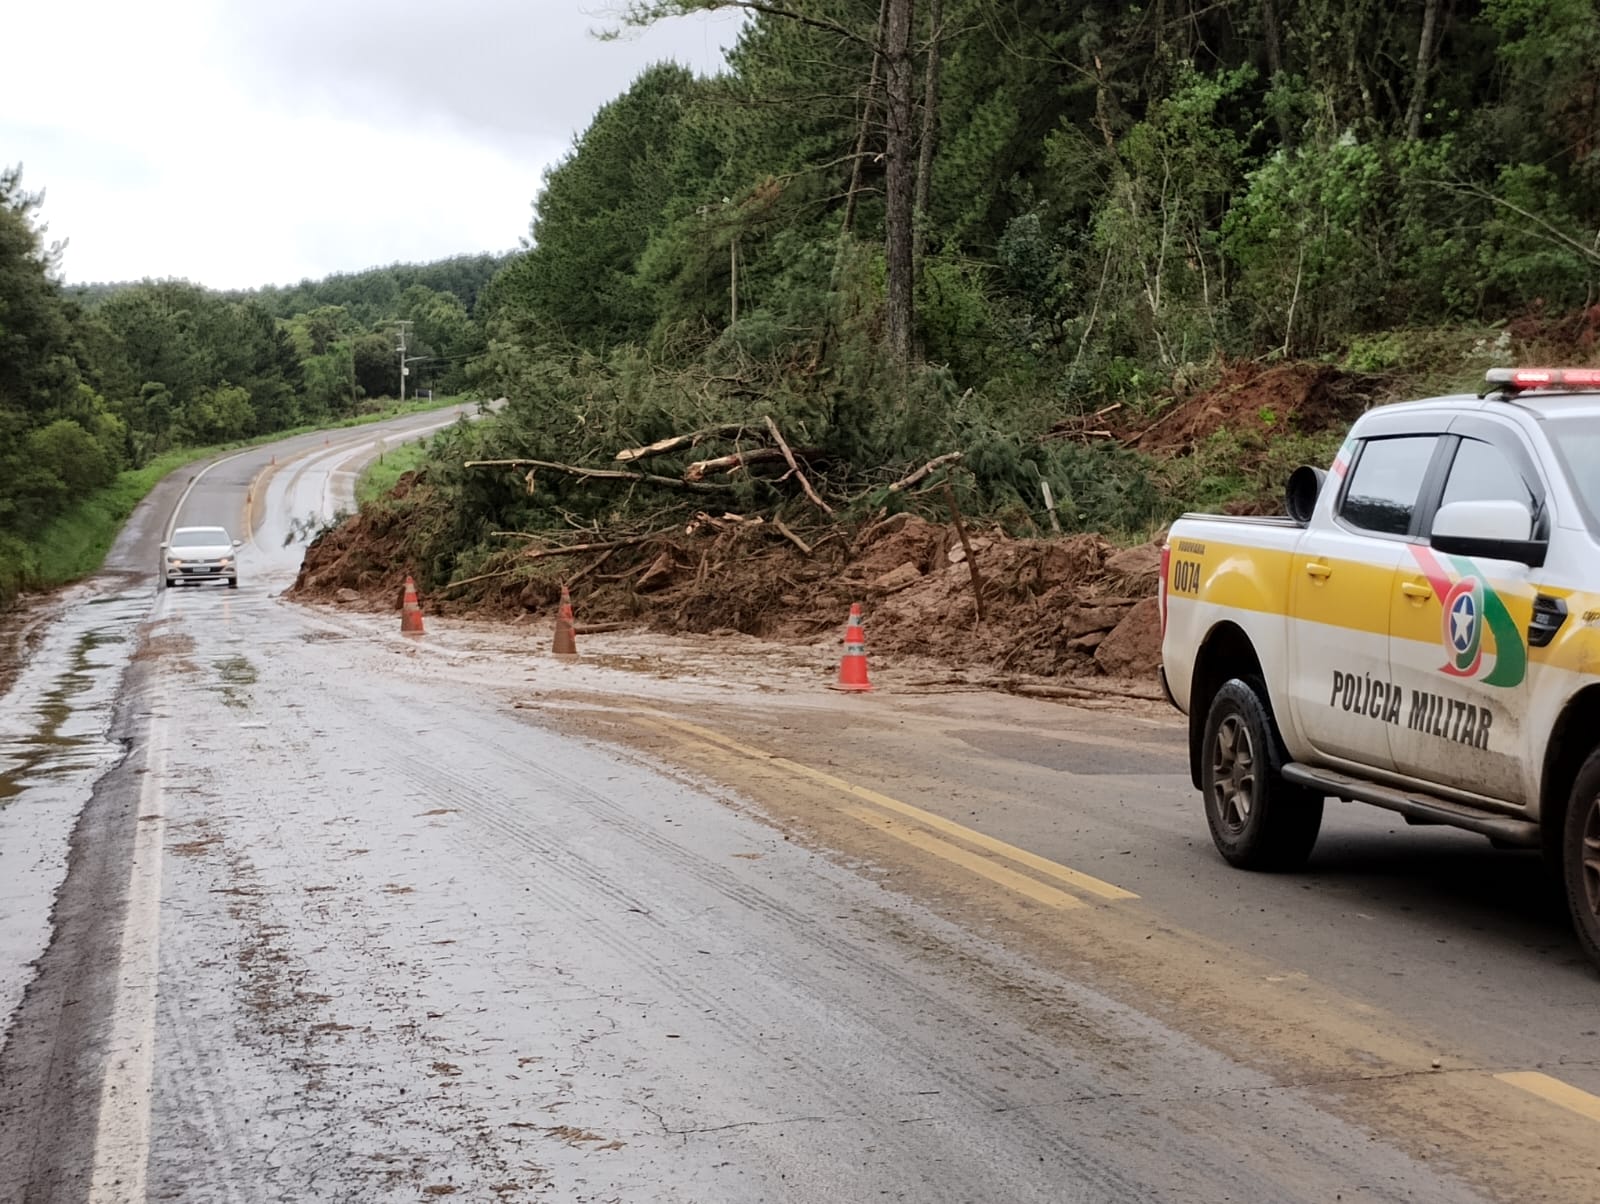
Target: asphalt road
(334,915)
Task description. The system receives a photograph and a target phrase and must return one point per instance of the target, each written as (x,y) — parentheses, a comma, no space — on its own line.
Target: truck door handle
(1319,570)
(1416,590)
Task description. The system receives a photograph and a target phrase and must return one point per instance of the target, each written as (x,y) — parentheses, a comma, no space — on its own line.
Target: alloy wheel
(1233,778)
(1589,854)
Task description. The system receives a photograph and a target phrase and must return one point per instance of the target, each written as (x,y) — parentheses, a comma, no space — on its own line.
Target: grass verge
(74,543)
(381,475)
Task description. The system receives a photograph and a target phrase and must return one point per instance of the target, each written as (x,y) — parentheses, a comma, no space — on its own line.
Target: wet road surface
(350,917)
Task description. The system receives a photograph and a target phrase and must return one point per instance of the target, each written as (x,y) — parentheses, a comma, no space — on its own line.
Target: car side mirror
(238,543)
(1497,530)
(163,547)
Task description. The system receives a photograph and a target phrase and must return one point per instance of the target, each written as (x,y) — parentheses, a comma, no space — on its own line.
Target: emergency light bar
(1516,380)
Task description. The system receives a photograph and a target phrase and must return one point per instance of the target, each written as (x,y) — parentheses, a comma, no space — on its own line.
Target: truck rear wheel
(1258,821)
(1581,856)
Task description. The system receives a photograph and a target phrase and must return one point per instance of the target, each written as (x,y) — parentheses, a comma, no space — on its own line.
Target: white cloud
(241,144)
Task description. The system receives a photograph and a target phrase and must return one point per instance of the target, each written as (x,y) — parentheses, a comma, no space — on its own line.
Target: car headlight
(226,560)
(174,562)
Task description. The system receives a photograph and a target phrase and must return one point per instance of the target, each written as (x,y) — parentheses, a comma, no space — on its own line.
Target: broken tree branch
(661,447)
(591,567)
(725,523)
(761,455)
(609,545)
(470,580)
(604,474)
(933,465)
(783,530)
(794,466)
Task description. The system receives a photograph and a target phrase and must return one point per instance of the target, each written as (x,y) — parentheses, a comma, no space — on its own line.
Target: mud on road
(365,918)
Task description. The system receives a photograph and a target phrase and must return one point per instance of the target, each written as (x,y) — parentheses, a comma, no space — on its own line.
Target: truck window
(1481,472)
(1577,446)
(1385,482)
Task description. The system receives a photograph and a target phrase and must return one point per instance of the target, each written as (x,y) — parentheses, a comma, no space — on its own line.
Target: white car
(198,554)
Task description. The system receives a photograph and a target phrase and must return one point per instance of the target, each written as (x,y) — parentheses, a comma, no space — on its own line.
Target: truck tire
(1258,821)
(1581,856)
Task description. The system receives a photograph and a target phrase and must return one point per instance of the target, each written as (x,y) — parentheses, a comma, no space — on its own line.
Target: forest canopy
(102,378)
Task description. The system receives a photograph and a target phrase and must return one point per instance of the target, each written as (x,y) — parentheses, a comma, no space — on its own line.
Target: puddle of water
(51,750)
(55,743)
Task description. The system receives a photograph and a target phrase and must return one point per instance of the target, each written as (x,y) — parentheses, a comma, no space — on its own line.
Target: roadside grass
(382,474)
(74,543)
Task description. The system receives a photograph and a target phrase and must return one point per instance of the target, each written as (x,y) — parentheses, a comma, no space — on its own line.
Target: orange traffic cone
(566,642)
(853,665)
(410,612)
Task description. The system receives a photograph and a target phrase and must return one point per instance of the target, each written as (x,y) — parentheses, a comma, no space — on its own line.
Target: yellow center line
(1031,888)
(938,823)
(1563,1095)
(1551,1090)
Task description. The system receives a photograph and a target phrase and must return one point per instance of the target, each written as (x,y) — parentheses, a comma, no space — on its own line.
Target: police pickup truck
(1421,633)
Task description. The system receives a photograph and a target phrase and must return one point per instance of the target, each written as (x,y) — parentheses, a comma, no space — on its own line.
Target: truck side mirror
(1497,530)
(1301,493)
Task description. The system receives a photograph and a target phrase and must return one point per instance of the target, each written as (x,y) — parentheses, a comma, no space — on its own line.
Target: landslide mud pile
(1248,399)
(1065,607)
(1075,606)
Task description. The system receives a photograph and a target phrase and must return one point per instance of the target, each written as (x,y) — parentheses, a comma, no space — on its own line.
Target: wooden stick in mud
(972,560)
(783,530)
(794,466)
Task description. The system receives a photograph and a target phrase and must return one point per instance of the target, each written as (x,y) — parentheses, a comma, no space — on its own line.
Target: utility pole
(402,350)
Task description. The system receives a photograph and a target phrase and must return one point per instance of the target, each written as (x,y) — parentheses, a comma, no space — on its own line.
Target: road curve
(350,917)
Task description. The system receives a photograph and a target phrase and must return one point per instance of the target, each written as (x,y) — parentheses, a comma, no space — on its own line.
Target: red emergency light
(1516,380)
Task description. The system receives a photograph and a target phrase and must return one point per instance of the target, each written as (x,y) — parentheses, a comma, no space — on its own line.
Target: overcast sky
(246,142)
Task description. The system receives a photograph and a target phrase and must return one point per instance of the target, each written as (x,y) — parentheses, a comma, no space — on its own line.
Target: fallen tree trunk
(604,474)
(661,447)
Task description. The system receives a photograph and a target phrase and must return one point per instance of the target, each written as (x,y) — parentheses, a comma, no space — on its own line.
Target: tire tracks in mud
(290,1026)
(480,796)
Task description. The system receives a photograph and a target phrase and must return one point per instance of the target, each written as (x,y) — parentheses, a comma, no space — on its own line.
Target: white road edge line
(172,523)
(122,1130)
(122,1133)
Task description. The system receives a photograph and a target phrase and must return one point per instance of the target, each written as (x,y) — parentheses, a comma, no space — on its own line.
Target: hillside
(1119,260)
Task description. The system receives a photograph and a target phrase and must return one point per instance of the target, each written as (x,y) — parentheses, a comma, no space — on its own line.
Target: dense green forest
(907,228)
(102,379)
(902,229)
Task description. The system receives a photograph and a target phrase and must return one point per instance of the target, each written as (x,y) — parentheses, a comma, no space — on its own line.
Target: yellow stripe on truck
(1260,580)
(1263,581)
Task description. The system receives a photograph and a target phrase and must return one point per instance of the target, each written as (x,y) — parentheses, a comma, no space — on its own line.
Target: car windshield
(1577,444)
(200,537)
